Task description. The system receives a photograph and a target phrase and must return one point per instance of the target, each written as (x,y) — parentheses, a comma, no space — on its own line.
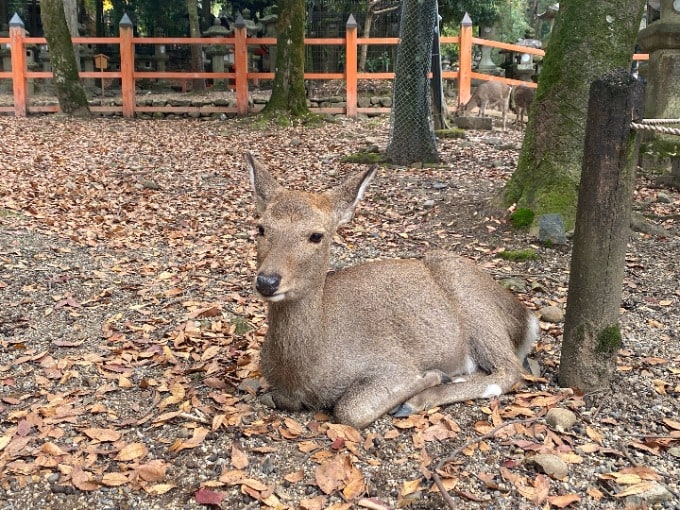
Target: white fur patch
(492,390)
(470,365)
(532,334)
(276,297)
(458,380)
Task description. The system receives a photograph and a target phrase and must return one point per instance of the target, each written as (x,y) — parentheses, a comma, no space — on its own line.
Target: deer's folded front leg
(281,400)
(371,397)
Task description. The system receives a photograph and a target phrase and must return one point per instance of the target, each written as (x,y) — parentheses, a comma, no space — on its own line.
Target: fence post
(241,65)
(465,60)
(127,67)
(591,328)
(351,66)
(18,56)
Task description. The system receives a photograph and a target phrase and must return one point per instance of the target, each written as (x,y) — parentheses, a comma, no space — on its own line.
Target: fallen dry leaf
(132,451)
(103,435)
(207,497)
(238,458)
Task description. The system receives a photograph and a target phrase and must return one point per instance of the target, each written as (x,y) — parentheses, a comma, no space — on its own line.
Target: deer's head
(295,231)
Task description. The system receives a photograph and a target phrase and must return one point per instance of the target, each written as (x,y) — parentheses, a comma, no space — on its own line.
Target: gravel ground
(129,335)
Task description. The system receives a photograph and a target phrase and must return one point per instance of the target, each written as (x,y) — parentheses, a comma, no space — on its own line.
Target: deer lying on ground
(489,93)
(520,101)
(394,336)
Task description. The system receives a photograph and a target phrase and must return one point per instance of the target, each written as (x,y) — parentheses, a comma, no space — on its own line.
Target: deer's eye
(316,237)
(260,230)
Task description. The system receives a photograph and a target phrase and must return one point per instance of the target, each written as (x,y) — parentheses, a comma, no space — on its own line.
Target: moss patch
(516,255)
(522,217)
(285,119)
(241,326)
(609,339)
(450,133)
(368,158)
(7,213)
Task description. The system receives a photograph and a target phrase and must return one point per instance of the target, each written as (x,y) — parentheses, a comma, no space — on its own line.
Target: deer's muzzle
(267,284)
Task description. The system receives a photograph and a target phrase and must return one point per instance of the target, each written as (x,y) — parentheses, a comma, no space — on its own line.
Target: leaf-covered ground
(129,334)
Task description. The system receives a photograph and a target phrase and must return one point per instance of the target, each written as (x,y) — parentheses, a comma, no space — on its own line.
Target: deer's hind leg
(373,396)
(498,371)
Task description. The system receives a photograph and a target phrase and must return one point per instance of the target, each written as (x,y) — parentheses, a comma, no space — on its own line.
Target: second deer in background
(520,102)
(492,94)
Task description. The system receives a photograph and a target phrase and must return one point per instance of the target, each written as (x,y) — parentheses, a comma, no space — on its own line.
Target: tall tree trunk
(371,13)
(70,92)
(196,50)
(71,14)
(4,15)
(588,39)
(288,92)
(368,22)
(411,133)
(99,15)
(206,6)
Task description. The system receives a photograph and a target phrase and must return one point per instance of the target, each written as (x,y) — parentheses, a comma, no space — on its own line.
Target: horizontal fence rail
(20,45)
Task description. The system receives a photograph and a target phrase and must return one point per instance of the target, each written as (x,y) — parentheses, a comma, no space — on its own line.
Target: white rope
(660,121)
(654,125)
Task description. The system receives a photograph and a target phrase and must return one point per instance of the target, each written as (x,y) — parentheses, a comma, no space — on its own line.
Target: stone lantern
(269,22)
(218,53)
(661,39)
(160,56)
(486,65)
(252,29)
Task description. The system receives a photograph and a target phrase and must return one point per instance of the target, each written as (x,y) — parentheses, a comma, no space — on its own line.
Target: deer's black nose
(267,284)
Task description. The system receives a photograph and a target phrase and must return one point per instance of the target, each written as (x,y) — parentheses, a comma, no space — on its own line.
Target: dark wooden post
(591,330)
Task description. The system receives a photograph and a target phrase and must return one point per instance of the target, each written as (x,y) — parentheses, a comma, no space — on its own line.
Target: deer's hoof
(268,400)
(403,410)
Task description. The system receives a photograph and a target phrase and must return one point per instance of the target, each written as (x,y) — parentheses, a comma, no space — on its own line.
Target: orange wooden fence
(240,75)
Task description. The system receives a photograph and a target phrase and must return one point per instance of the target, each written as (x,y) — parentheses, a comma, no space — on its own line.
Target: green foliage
(516,255)
(661,148)
(512,22)
(522,217)
(151,16)
(482,12)
(609,340)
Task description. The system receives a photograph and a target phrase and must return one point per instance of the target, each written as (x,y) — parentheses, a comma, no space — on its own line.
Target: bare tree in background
(196,50)
(70,92)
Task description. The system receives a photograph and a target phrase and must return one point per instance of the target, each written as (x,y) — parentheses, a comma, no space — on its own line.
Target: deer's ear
(264,185)
(347,195)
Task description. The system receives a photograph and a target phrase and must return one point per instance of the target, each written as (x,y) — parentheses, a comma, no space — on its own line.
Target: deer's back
(433,302)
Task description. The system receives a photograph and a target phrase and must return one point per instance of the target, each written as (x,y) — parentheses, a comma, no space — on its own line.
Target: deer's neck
(295,324)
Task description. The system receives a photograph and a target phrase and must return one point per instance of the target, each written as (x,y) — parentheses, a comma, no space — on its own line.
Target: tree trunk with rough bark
(71,14)
(70,92)
(288,91)
(588,39)
(196,50)
(592,336)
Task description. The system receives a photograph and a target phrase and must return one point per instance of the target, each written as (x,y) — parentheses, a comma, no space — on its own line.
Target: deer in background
(520,102)
(488,94)
(394,336)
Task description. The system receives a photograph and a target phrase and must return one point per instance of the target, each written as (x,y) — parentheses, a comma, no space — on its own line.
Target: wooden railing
(240,75)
